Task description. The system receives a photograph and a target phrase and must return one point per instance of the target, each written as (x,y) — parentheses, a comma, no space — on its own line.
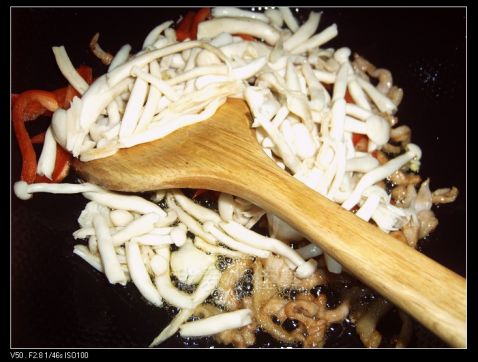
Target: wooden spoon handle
(431,293)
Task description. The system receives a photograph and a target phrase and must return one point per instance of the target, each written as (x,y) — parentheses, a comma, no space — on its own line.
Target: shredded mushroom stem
(381,173)
(68,70)
(46,162)
(218,250)
(155,33)
(172,327)
(121,57)
(304,32)
(233,244)
(229,11)
(139,274)
(285,77)
(216,324)
(125,202)
(201,213)
(256,240)
(383,103)
(83,252)
(140,226)
(189,221)
(109,259)
(167,290)
(259,29)
(24,190)
(317,40)
(289,18)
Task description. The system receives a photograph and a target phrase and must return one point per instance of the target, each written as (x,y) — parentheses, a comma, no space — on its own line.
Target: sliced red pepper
(360,142)
(329,87)
(20,111)
(184,28)
(65,95)
(203,192)
(198,193)
(39,138)
(200,16)
(348,98)
(246,37)
(28,106)
(32,111)
(86,73)
(357,137)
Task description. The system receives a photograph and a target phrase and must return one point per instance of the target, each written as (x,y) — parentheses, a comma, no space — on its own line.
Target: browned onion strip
(363,64)
(307,309)
(229,278)
(401,178)
(338,314)
(401,134)
(385,80)
(239,337)
(428,223)
(264,290)
(206,310)
(105,57)
(366,325)
(410,230)
(391,149)
(396,95)
(445,195)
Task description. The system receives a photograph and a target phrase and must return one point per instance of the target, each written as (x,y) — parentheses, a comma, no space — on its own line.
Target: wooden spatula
(222,154)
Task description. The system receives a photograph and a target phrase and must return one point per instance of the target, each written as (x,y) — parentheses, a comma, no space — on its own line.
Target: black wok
(60,301)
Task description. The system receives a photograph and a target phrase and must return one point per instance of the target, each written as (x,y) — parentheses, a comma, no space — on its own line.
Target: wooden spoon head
(197,156)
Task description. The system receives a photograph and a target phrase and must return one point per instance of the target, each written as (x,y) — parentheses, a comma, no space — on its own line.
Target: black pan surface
(60,301)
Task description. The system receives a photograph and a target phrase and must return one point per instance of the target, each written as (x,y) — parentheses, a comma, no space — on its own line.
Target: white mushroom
(215,324)
(289,18)
(83,252)
(361,164)
(381,173)
(275,17)
(24,191)
(140,226)
(120,58)
(46,162)
(309,251)
(218,250)
(121,217)
(230,11)
(68,70)
(189,263)
(256,28)
(199,212)
(125,202)
(304,32)
(233,244)
(110,262)
(139,274)
(383,103)
(376,128)
(317,40)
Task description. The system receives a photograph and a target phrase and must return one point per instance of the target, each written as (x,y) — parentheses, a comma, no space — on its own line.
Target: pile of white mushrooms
(305,128)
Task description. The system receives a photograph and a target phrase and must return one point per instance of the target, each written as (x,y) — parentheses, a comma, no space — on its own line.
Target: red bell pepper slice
(200,16)
(184,28)
(20,111)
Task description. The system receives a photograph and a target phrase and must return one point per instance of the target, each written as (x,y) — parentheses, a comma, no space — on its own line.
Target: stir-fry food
(326,116)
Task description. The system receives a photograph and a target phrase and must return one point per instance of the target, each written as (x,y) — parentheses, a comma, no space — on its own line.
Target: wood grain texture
(222,154)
